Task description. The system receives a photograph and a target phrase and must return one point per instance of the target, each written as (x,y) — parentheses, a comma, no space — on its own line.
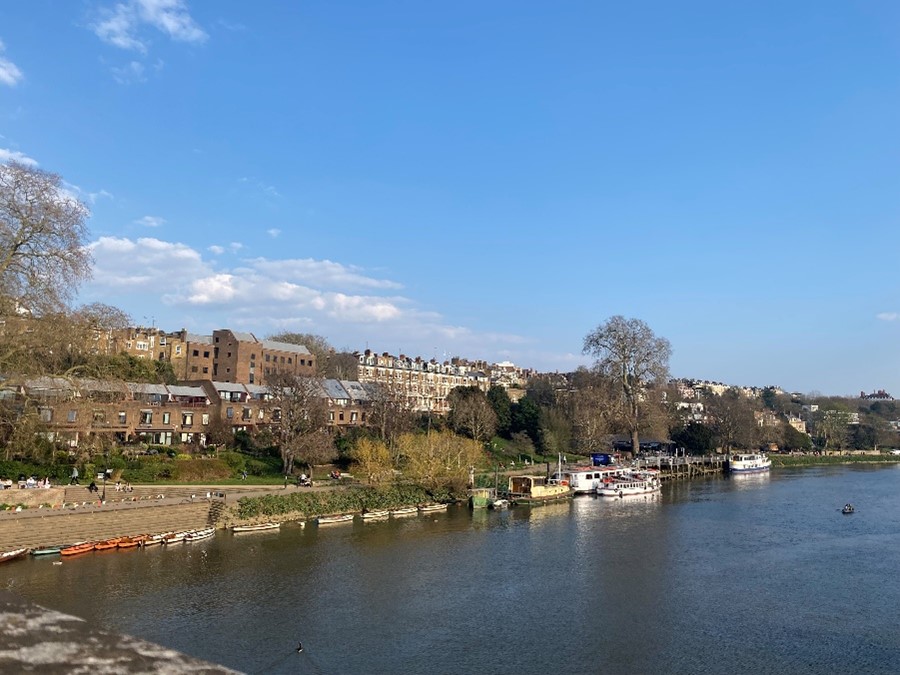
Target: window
(253,357)
(187,419)
(193,369)
(141,346)
(206,355)
(72,416)
(146,417)
(228,355)
(205,370)
(204,419)
(262,414)
(123,417)
(341,416)
(353,417)
(178,350)
(251,378)
(246,414)
(196,352)
(166,417)
(268,357)
(331,416)
(276,415)
(229,412)
(289,360)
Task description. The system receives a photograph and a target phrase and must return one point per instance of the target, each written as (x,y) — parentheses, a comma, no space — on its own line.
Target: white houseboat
(643,482)
(586,479)
(748,462)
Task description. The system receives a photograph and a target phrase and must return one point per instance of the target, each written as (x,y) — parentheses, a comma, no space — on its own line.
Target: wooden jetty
(674,468)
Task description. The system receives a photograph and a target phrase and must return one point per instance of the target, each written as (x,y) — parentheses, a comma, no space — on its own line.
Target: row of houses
(76,410)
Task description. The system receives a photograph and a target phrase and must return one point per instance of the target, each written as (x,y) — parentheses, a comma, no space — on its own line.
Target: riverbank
(827,460)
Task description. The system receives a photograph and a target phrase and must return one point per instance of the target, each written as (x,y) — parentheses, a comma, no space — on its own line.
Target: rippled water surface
(753,574)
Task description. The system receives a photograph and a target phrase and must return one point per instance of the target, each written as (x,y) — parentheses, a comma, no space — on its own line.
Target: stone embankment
(77,515)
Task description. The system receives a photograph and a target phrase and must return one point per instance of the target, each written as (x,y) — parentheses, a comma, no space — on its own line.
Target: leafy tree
(526,418)
(541,391)
(696,438)
(439,459)
(795,440)
(372,459)
(499,399)
(629,351)
(471,413)
(770,398)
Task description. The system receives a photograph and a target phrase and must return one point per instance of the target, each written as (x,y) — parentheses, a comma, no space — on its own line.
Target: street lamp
(105,473)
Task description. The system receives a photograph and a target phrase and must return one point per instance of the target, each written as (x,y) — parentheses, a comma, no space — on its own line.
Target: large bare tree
(629,351)
(301,429)
(471,413)
(43,230)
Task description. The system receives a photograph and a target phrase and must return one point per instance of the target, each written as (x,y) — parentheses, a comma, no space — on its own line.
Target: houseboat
(586,479)
(748,462)
(631,483)
(537,490)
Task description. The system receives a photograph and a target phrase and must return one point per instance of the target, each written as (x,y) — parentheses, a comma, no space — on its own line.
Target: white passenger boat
(748,462)
(631,483)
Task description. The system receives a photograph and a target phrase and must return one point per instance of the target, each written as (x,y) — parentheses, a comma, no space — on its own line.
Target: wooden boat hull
(428,508)
(406,511)
(261,527)
(13,555)
(329,520)
(376,515)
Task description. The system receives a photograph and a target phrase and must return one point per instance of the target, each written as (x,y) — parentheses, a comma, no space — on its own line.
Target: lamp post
(105,473)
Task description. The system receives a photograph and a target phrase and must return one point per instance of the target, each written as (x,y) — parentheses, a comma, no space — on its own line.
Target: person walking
(74,480)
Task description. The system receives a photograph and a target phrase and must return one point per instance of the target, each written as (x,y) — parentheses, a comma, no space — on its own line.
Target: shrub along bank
(820,460)
(341,501)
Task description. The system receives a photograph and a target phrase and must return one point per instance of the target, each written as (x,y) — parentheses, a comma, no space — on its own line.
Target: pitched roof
(284,347)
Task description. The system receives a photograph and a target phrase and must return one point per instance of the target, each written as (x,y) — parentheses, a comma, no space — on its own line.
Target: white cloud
(76,192)
(888,316)
(121,26)
(150,221)
(16,156)
(273,232)
(343,302)
(9,72)
(235,246)
(133,72)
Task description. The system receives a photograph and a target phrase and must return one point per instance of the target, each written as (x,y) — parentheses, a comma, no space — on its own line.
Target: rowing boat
(255,528)
(340,518)
(197,535)
(12,555)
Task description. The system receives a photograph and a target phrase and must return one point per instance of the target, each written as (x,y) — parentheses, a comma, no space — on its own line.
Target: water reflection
(750,481)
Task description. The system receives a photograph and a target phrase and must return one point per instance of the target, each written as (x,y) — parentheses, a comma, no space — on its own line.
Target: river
(750,574)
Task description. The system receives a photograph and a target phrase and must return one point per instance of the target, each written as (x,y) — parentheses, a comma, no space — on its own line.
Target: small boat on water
(499,504)
(848,508)
(13,555)
(404,511)
(155,539)
(108,544)
(377,514)
(175,537)
(197,535)
(629,484)
(49,550)
(751,462)
(339,518)
(258,527)
(75,549)
(131,542)
(427,508)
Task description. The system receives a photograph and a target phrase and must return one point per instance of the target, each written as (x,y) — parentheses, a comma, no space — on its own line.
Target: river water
(750,574)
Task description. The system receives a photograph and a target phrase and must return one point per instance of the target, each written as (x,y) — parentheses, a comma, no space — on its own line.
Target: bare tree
(389,415)
(43,257)
(733,420)
(629,351)
(471,413)
(301,428)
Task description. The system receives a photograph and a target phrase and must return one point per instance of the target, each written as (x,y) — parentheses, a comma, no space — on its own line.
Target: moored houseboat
(586,479)
(537,490)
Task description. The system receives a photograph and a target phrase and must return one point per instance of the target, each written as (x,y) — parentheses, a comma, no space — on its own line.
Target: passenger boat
(427,508)
(75,549)
(378,514)
(632,483)
(12,555)
(748,462)
(197,535)
(258,527)
(340,518)
(404,511)
(537,490)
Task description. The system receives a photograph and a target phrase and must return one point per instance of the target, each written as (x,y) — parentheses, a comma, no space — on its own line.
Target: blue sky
(488,180)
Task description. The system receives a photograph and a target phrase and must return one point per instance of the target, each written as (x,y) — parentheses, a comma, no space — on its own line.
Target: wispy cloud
(9,72)
(340,301)
(273,232)
(86,195)
(130,73)
(16,156)
(235,246)
(888,316)
(150,221)
(124,24)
